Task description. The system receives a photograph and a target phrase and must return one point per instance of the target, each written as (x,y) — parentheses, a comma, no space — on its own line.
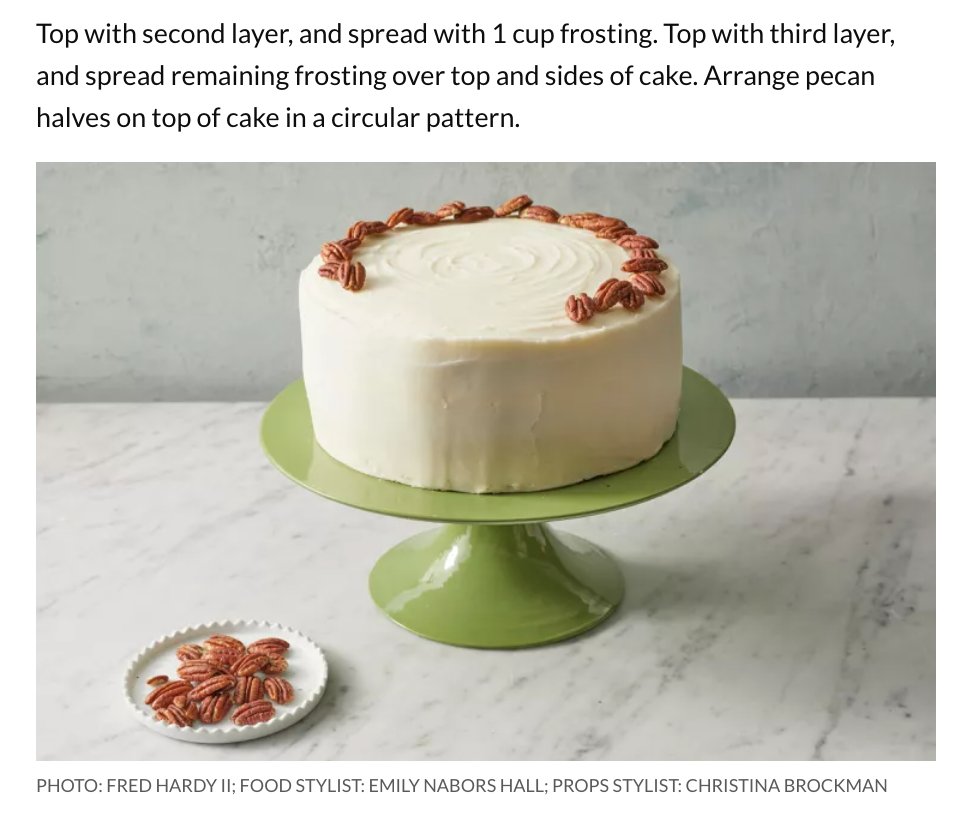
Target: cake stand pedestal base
(495,576)
(496,586)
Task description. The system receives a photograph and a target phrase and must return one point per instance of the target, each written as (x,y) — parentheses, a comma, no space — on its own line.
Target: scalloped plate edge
(229,733)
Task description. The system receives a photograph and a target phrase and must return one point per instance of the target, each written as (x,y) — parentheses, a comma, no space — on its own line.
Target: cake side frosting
(457,368)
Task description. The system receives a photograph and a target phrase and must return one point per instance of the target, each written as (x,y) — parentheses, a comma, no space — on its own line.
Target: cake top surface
(502,279)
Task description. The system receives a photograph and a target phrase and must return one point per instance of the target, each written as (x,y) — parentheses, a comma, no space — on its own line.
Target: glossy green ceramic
(496,577)
(496,586)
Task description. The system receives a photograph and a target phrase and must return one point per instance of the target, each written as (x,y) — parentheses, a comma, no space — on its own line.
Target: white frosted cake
(462,350)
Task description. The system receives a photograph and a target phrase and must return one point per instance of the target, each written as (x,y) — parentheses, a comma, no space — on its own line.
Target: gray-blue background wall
(178,281)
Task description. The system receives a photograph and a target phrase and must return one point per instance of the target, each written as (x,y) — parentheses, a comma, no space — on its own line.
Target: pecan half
(166,693)
(183,711)
(614,232)
(249,664)
(610,293)
(187,707)
(248,714)
(248,689)
(363,229)
(221,668)
(223,641)
(197,670)
(224,656)
(541,213)
(605,223)
(371,228)
(421,217)
(450,209)
(598,223)
(218,683)
(334,271)
(476,214)
(637,241)
(277,664)
(189,651)
(168,697)
(214,707)
(399,217)
(580,308)
(157,680)
(633,300)
(269,645)
(279,690)
(335,252)
(174,716)
(353,278)
(647,284)
(644,264)
(350,244)
(575,220)
(514,205)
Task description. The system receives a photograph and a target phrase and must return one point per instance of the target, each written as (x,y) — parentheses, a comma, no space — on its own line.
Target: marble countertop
(782,607)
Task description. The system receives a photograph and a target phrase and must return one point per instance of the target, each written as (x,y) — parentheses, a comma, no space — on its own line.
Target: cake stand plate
(494,576)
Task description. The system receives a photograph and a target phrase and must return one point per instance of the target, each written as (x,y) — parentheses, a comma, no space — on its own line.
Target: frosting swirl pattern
(506,278)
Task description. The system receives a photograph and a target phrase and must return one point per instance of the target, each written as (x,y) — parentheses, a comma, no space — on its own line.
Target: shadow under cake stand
(494,575)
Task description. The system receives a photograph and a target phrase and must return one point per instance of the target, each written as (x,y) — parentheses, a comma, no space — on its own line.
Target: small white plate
(308,672)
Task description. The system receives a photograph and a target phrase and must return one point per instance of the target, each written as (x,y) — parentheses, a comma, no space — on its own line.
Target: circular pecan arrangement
(221,675)
(643,263)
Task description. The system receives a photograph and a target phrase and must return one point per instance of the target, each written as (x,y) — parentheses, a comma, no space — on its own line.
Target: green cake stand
(494,575)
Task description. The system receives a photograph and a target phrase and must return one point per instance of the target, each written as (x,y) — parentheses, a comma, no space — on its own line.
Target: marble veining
(780,607)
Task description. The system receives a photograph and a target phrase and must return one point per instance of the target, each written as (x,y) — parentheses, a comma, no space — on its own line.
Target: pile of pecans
(644,266)
(219,674)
